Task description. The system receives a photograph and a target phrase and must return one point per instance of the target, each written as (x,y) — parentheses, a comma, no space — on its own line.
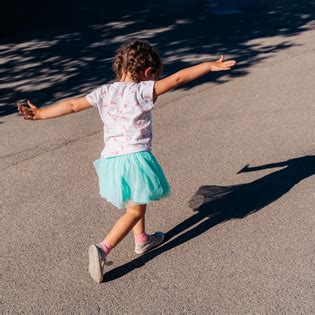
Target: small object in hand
(24,109)
(22,103)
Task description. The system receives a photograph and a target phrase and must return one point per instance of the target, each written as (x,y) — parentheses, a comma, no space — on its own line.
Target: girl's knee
(138,211)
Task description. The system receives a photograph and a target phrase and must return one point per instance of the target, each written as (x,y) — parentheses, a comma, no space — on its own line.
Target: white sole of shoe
(152,247)
(94,264)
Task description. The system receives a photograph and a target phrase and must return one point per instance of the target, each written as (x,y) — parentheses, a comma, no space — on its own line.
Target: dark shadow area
(217,204)
(17,15)
(51,62)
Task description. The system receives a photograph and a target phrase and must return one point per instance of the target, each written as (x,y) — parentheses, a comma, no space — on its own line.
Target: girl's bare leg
(126,223)
(139,228)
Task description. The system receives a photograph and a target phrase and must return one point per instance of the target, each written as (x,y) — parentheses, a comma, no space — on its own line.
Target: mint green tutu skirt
(135,177)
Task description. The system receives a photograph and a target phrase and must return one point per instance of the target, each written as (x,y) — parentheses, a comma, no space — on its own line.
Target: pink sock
(141,238)
(106,247)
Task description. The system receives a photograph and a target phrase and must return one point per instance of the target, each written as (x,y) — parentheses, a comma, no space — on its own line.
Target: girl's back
(125,109)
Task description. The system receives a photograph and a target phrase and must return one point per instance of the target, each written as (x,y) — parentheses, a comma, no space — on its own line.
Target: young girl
(129,175)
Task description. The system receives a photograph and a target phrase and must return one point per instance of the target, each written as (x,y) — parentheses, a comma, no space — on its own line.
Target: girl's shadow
(217,204)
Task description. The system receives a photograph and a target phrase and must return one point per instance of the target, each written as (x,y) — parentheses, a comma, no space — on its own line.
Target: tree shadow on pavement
(217,204)
(48,64)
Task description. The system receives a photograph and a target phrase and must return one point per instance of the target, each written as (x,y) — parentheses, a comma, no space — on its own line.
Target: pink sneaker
(154,240)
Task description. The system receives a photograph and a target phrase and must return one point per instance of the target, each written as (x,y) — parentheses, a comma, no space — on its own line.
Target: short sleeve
(97,97)
(145,96)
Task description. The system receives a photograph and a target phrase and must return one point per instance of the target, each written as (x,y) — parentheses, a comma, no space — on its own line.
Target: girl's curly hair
(135,56)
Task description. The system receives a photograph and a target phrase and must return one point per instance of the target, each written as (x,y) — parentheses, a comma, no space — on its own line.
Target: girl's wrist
(210,65)
(39,114)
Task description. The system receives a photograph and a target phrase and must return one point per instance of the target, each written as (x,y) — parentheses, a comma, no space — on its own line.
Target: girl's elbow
(178,81)
(74,108)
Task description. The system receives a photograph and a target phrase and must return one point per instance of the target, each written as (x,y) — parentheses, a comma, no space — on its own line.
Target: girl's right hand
(30,112)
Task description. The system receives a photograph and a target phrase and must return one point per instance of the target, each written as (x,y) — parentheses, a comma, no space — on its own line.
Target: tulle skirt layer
(135,177)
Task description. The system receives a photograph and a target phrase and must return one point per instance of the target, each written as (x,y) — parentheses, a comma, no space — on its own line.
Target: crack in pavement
(13,159)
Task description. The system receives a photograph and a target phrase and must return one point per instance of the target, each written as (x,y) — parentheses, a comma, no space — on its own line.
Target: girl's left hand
(221,65)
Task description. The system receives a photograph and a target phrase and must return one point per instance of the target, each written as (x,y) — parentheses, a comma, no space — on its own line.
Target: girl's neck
(126,81)
(126,78)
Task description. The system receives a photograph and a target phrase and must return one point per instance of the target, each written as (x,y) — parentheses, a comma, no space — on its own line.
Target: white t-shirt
(125,109)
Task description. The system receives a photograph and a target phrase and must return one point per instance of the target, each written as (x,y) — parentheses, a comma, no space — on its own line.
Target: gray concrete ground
(249,249)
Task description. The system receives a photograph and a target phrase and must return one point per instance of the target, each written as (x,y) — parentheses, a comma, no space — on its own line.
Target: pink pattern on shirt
(127,121)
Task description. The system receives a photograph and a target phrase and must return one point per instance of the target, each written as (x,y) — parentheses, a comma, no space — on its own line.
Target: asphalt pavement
(239,154)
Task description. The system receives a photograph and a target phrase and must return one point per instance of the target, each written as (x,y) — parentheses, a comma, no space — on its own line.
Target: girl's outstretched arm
(189,74)
(69,106)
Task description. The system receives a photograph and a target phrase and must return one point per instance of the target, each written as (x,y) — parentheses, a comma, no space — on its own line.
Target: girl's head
(139,60)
